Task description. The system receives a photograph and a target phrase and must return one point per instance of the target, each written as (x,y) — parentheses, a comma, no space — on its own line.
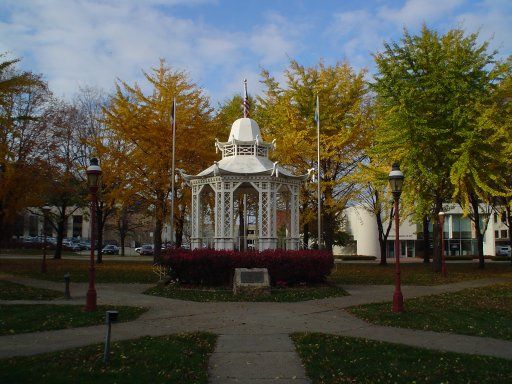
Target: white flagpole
(173,168)
(319,200)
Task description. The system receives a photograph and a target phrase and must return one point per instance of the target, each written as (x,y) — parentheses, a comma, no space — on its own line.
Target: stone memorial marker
(254,281)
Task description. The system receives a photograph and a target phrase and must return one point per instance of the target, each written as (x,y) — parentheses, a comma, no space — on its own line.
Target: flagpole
(173,112)
(319,201)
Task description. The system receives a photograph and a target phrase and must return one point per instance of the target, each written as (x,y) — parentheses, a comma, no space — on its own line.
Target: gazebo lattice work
(244,169)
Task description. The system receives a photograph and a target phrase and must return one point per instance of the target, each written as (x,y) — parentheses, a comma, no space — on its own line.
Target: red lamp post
(396,180)
(93,175)
(441,231)
(46,211)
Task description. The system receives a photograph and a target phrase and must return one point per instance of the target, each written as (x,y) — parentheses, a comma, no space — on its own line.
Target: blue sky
(75,43)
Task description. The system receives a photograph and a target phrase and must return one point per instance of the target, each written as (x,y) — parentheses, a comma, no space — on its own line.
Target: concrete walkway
(253,345)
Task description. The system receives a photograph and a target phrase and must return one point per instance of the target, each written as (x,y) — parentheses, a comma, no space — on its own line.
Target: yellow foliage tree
(140,124)
(287,113)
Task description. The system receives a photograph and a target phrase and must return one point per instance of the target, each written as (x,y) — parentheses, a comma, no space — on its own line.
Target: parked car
(76,247)
(110,249)
(146,249)
(503,250)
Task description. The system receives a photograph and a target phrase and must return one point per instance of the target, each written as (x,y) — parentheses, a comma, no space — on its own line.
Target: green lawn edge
(331,359)
(484,312)
(25,318)
(165,359)
(415,273)
(291,294)
(16,291)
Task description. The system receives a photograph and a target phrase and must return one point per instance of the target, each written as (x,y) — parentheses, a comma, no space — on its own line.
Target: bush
(212,267)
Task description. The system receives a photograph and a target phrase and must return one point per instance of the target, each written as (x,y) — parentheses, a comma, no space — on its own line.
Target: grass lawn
(291,294)
(483,311)
(34,252)
(22,318)
(415,274)
(333,359)
(106,272)
(168,359)
(13,291)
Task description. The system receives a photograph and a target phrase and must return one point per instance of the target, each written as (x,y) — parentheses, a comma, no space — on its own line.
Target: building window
(465,228)
(504,234)
(495,217)
(496,234)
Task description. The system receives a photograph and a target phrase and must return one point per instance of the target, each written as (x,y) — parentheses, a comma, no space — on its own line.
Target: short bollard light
(110,318)
(67,279)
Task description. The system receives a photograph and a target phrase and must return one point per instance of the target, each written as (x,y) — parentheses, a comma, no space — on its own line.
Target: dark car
(146,249)
(110,250)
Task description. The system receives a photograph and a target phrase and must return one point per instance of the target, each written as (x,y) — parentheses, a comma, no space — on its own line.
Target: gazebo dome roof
(244,129)
(244,154)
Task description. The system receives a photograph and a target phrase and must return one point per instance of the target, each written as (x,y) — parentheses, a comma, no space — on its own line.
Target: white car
(503,250)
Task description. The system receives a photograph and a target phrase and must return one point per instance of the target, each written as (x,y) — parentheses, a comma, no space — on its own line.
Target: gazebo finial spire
(246,100)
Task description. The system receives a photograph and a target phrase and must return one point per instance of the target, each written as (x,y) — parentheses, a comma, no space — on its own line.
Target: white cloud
(92,42)
(415,12)
(493,23)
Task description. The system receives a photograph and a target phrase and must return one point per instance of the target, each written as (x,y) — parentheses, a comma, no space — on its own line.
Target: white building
(459,234)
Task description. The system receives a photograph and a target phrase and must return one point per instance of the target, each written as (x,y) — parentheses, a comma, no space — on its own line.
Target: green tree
(429,90)
(497,119)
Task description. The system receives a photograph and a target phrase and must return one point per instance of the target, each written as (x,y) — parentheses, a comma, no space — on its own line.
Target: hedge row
(216,267)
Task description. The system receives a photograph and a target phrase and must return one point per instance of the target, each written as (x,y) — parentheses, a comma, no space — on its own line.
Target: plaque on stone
(252,277)
(253,281)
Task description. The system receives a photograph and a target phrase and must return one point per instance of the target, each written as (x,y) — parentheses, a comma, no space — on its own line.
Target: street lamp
(441,230)
(93,176)
(396,180)
(46,211)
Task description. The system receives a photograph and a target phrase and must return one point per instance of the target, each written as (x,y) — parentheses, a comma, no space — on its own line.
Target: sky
(77,43)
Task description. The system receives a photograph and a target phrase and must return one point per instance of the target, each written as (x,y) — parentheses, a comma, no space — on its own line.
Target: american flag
(246,104)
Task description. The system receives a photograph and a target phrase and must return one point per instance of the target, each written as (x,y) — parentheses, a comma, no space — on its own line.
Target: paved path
(253,345)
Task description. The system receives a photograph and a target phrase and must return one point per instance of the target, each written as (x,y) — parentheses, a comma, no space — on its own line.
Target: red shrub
(212,267)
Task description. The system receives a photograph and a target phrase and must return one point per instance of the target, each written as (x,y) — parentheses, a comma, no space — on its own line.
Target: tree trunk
(509,221)
(179,228)
(122,227)
(99,233)
(157,241)
(61,226)
(426,240)
(122,240)
(382,241)
(479,235)
(328,231)
(305,229)
(437,262)
(383,253)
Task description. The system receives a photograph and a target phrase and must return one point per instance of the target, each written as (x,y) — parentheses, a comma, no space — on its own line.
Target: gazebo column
(223,216)
(196,222)
(267,216)
(292,242)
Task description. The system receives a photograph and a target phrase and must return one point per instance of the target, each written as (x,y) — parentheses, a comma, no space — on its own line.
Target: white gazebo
(243,184)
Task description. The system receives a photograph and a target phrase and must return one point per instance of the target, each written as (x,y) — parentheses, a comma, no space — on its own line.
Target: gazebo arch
(245,164)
